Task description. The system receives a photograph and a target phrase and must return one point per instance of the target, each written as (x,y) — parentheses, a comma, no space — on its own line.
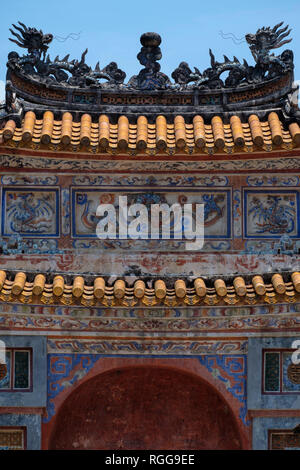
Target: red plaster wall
(145,408)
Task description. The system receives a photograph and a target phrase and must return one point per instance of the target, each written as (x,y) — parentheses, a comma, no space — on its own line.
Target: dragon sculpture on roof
(267,65)
(78,74)
(75,73)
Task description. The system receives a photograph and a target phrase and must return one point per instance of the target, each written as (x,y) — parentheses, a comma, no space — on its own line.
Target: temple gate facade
(123,343)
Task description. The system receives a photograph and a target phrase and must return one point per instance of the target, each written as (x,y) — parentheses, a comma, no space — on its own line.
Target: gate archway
(145,407)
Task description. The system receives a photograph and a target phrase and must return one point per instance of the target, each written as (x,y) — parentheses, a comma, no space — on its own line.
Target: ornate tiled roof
(163,135)
(197,110)
(66,105)
(96,291)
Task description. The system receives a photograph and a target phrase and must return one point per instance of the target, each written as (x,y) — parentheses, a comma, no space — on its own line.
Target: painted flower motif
(107,198)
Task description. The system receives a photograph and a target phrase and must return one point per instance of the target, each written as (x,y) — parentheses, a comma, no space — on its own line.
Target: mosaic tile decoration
(30,212)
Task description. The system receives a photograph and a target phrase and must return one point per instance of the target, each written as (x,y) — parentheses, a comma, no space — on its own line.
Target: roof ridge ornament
(36,63)
(150,77)
(76,73)
(267,66)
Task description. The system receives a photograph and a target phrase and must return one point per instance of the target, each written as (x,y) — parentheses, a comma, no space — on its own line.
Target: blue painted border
(56,384)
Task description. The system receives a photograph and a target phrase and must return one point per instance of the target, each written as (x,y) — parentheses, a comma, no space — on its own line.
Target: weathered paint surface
(251,223)
(145,408)
(32,423)
(261,427)
(256,399)
(145,372)
(67,373)
(37,397)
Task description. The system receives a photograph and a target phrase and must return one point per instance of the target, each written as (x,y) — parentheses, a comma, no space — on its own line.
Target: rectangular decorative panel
(21,372)
(12,438)
(217,207)
(290,374)
(280,374)
(271,213)
(272,372)
(30,212)
(16,373)
(284,440)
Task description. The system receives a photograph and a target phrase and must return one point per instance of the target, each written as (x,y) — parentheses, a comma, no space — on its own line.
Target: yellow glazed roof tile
(161,136)
(38,288)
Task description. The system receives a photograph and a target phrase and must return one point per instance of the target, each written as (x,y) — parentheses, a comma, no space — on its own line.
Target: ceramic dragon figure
(262,42)
(74,73)
(36,42)
(77,73)
(267,65)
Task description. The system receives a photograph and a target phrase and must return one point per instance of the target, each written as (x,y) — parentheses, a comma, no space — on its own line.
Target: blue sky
(111,29)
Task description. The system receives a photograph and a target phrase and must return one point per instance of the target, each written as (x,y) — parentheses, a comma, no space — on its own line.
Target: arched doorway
(145,408)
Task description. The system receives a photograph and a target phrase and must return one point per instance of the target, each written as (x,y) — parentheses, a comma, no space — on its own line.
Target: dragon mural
(78,74)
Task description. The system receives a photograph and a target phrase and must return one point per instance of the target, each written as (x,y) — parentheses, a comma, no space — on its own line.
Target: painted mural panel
(271,213)
(217,207)
(30,212)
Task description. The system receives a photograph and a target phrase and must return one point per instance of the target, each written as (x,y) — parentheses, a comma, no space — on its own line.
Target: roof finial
(150,78)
